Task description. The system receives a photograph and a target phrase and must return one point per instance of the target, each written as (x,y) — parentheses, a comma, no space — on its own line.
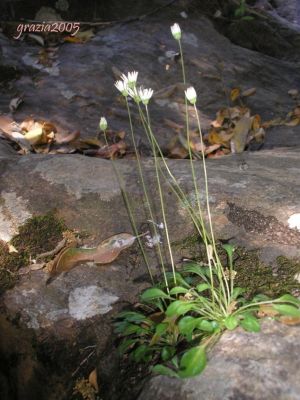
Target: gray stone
(242,366)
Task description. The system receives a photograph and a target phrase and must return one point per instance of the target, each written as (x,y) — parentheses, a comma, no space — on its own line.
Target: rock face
(242,366)
(74,93)
(51,335)
(251,200)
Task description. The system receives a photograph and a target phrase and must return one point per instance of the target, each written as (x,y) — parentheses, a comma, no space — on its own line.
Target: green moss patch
(257,277)
(38,235)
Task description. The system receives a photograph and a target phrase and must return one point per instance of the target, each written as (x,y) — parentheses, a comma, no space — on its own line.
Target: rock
(242,366)
(82,92)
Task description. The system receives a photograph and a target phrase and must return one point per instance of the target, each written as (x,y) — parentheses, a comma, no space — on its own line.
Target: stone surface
(48,331)
(80,92)
(242,366)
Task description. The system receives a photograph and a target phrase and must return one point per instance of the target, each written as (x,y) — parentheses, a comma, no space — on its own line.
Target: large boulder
(242,366)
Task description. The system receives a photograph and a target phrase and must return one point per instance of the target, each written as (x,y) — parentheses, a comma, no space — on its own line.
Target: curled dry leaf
(71,137)
(240,134)
(14,103)
(108,151)
(235,93)
(293,93)
(11,248)
(248,92)
(93,380)
(105,253)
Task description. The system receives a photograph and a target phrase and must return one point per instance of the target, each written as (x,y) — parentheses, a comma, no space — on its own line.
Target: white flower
(160,225)
(153,241)
(133,93)
(130,79)
(122,87)
(176,31)
(191,95)
(145,95)
(103,124)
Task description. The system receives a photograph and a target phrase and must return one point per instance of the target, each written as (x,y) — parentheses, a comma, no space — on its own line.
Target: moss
(252,274)
(38,235)
(257,277)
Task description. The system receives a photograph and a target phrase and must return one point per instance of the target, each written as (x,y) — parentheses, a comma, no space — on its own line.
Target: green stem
(145,189)
(127,204)
(161,195)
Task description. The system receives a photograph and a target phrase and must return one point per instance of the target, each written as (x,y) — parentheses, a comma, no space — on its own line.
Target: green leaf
(167,353)
(288,298)
(237,292)
(178,307)
(260,297)
(132,328)
(229,248)
(248,18)
(250,324)
(140,352)
(132,316)
(179,279)
(231,322)
(154,293)
(186,326)
(286,309)
(192,362)
(202,287)
(125,345)
(162,370)
(161,328)
(178,289)
(205,325)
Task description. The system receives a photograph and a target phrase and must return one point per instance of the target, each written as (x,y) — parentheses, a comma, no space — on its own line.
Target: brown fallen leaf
(108,152)
(288,320)
(105,253)
(235,94)
(93,380)
(248,92)
(68,139)
(240,134)
(293,93)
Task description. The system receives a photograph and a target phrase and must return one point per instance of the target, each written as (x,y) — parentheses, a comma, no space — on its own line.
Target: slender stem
(203,230)
(161,195)
(128,207)
(218,263)
(148,204)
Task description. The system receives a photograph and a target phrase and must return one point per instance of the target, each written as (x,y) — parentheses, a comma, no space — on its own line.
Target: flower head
(130,79)
(103,124)
(191,95)
(122,87)
(176,31)
(145,95)
(134,94)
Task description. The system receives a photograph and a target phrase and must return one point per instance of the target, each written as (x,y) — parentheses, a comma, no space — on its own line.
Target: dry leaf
(256,122)
(108,151)
(69,138)
(293,122)
(293,93)
(240,134)
(248,92)
(11,248)
(267,310)
(14,103)
(235,94)
(93,380)
(288,320)
(36,38)
(36,136)
(80,37)
(105,253)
